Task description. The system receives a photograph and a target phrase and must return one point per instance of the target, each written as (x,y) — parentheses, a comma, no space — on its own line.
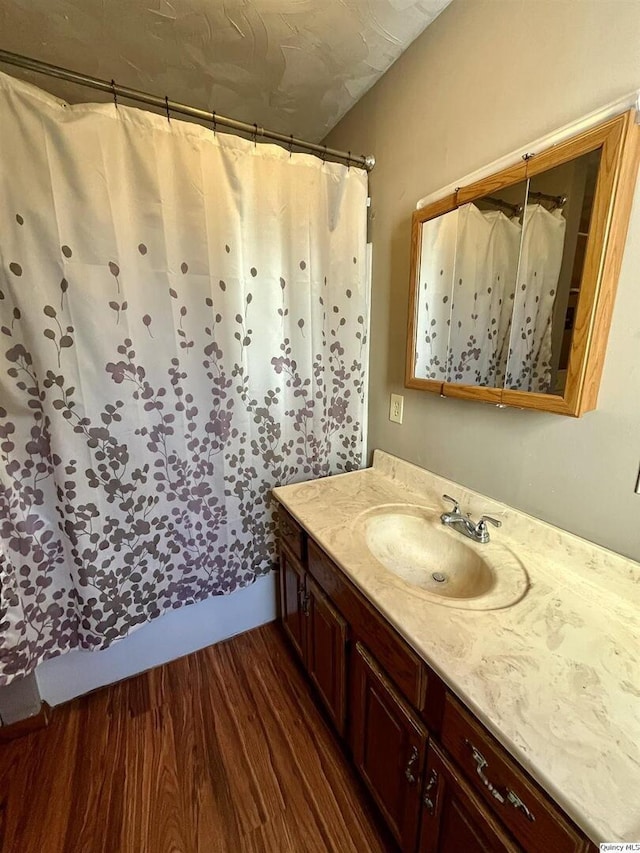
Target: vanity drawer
(291,533)
(535,821)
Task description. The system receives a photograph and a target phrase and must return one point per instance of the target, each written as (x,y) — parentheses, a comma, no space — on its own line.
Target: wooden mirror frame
(619,139)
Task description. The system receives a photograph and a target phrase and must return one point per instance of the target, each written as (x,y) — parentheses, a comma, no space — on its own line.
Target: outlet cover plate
(396,408)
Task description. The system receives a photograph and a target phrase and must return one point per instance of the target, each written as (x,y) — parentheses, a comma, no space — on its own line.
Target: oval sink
(439,563)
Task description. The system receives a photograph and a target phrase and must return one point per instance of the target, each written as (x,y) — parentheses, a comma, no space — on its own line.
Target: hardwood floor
(223,750)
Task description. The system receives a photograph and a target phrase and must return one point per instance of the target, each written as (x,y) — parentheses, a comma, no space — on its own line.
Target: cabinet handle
(408,769)
(303,601)
(304,604)
(514,800)
(511,797)
(481,763)
(429,802)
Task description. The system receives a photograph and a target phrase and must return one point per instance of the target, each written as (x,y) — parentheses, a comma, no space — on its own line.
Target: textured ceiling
(295,66)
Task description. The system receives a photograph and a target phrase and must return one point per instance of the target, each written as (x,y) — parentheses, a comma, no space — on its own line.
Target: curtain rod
(366,162)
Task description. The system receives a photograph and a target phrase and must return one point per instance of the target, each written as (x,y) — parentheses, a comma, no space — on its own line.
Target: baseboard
(171,636)
(26,726)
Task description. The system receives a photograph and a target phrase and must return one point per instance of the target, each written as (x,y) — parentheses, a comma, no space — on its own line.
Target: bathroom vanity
(482,717)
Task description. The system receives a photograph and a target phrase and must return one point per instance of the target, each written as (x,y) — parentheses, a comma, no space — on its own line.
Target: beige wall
(487,77)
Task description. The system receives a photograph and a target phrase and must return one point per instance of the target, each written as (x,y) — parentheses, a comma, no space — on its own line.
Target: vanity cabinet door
(327,653)
(389,745)
(292,600)
(454,819)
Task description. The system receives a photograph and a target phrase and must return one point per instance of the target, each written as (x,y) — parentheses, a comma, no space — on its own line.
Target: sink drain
(439,577)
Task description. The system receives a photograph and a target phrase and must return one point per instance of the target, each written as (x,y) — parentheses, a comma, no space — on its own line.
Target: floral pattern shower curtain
(530,355)
(487,249)
(487,291)
(437,267)
(183,326)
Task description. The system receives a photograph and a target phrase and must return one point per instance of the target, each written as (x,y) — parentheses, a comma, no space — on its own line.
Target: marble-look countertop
(555,677)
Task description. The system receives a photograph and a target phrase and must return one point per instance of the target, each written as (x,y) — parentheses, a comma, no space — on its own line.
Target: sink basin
(440,564)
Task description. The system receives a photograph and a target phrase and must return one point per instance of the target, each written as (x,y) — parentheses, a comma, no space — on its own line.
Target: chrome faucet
(479,531)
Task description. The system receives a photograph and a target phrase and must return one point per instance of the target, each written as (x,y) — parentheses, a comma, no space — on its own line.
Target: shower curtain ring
(213,118)
(255,135)
(290,145)
(115,94)
(166,104)
(324,154)
(349,162)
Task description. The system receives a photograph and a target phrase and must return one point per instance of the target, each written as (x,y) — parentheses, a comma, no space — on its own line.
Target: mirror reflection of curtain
(437,260)
(488,244)
(529,367)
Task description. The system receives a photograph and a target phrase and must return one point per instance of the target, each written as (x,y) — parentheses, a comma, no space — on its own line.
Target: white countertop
(555,677)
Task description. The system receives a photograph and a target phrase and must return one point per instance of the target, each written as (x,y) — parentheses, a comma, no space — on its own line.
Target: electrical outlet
(396,408)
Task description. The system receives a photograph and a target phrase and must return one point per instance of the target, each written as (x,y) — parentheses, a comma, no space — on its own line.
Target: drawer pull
(511,797)
(481,763)
(408,769)
(428,800)
(514,800)
(304,602)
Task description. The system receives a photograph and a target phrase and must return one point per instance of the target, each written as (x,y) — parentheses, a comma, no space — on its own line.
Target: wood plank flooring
(223,751)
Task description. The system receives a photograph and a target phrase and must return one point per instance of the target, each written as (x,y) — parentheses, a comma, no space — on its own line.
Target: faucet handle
(485,518)
(481,532)
(456,505)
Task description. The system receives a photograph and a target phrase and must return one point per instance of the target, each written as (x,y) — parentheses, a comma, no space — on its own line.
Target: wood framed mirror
(513,278)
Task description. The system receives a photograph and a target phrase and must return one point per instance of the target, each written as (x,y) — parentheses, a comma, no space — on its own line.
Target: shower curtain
(484,283)
(183,326)
(437,267)
(487,290)
(530,367)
